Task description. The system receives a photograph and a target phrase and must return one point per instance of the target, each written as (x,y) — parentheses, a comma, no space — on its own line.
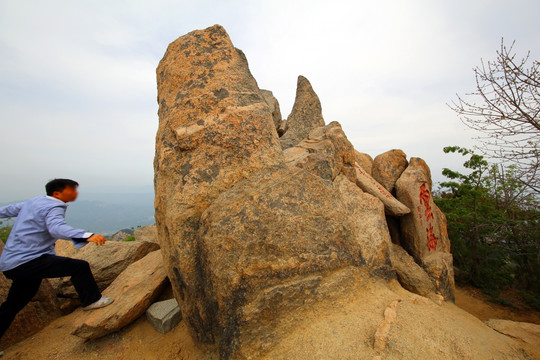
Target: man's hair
(59,185)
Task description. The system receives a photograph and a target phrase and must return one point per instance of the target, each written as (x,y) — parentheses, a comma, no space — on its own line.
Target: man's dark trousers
(27,278)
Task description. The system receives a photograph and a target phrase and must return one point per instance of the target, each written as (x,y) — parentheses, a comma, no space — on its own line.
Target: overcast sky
(78,86)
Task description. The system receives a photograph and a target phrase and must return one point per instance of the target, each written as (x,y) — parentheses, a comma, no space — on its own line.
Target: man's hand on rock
(98,239)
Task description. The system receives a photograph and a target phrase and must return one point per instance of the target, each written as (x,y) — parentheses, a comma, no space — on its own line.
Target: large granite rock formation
(215,129)
(252,234)
(272,237)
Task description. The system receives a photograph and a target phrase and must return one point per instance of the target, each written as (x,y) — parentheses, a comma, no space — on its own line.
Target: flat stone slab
(164,315)
(368,184)
(133,292)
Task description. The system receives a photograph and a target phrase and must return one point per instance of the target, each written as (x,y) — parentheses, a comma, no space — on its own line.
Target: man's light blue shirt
(40,222)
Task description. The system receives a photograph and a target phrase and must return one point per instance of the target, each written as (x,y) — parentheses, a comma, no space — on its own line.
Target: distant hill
(108,213)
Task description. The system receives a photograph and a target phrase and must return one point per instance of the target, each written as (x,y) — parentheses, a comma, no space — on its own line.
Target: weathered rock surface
(106,261)
(369,225)
(133,290)
(387,168)
(306,115)
(423,231)
(391,205)
(364,160)
(439,266)
(40,311)
(270,238)
(215,129)
(324,152)
(274,107)
(410,275)
(527,332)
(346,328)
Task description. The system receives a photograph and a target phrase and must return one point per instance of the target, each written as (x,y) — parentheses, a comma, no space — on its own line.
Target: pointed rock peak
(306,101)
(302,83)
(306,114)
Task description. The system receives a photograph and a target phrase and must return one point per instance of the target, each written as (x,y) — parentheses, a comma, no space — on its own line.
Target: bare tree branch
(505,108)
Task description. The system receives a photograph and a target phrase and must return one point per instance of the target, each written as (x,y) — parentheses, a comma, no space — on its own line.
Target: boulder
(38,313)
(268,242)
(133,290)
(164,315)
(387,168)
(410,275)
(439,266)
(324,152)
(106,261)
(147,233)
(215,129)
(365,182)
(274,107)
(364,160)
(306,115)
(423,231)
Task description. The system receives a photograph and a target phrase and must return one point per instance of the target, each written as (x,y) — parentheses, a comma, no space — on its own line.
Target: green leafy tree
(493,224)
(129,238)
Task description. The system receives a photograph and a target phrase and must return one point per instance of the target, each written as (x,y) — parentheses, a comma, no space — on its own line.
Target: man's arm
(57,227)
(11,210)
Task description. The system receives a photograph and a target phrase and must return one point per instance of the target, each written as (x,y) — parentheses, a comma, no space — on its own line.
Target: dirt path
(476,303)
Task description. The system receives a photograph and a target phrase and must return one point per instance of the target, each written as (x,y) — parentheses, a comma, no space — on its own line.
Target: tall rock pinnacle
(215,129)
(306,115)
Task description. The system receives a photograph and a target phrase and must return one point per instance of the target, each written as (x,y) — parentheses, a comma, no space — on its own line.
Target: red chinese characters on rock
(376,184)
(431,239)
(424,200)
(425,197)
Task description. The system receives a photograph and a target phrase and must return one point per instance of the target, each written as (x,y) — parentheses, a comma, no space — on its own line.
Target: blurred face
(69,193)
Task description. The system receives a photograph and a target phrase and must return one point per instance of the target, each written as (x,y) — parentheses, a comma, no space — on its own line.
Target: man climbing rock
(29,253)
